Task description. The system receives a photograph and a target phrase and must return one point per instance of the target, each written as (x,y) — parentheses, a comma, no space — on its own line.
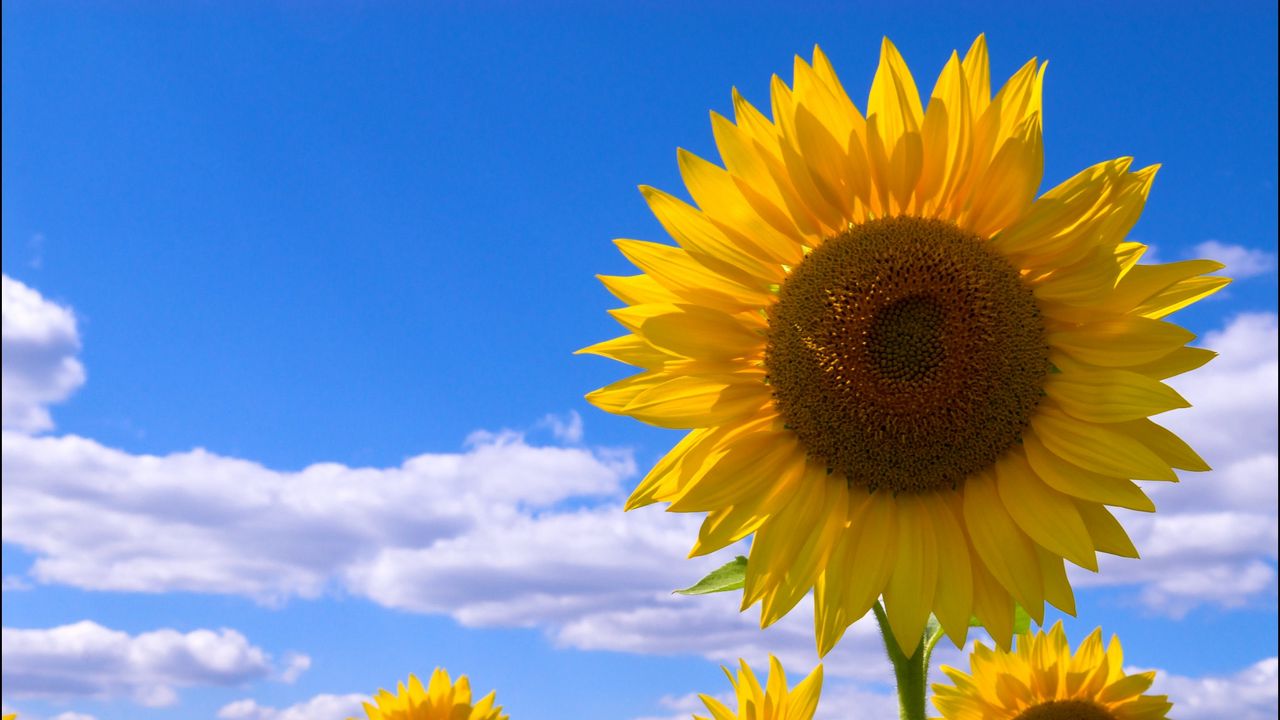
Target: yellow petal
(864,570)
(729,525)
(1143,282)
(1004,548)
(749,167)
(615,396)
(977,74)
(803,570)
(909,596)
(708,245)
(779,541)
(1167,446)
(1121,342)
(1080,483)
(954,605)
(1001,120)
(1099,448)
(992,603)
(820,202)
(802,702)
(766,141)
(688,401)
(1045,515)
(703,333)
(894,117)
(894,97)
(1130,686)
(637,289)
(1107,533)
(629,349)
(1057,589)
(736,471)
(1180,295)
(1108,396)
(723,203)
(1085,283)
(1010,183)
(945,134)
(1184,359)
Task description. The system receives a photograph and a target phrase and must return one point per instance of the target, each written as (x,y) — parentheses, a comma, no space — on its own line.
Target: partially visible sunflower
(771,702)
(1043,680)
(442,699)
(901,371)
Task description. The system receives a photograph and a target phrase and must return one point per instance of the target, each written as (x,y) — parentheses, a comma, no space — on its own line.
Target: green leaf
(730,576)
(1021,620)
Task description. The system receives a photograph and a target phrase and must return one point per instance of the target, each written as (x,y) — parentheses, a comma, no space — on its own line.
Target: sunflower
(771,702)
(1042,680)
(900,370)
(442,699)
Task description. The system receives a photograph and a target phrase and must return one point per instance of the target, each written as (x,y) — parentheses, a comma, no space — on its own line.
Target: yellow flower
(1042,680)
(769,703)
(441,700)
(903,372)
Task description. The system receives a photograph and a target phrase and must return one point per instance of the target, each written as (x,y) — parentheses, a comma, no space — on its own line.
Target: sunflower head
(769,702)
(1043,680)
(905,374)
(442,699)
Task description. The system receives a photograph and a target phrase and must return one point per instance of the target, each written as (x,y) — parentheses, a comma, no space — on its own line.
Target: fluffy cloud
(88,660)
(90,513)
(40,342)
(1241,262)
(320,707)
(1248,695)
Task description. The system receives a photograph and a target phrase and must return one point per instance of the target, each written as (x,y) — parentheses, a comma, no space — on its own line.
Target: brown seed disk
(1066,710)
(905,354)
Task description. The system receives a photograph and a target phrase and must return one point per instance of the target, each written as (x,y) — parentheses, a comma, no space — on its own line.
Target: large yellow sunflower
(1042,680)
(903,372)
(442,699)
(771,702)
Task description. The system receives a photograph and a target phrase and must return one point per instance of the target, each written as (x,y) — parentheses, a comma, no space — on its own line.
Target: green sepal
(730,576)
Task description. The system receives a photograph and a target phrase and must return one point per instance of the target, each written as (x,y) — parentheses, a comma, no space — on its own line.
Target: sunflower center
(905,354)
(1065,710)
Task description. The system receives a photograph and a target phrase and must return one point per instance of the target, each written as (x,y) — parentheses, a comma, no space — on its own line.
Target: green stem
(911,672)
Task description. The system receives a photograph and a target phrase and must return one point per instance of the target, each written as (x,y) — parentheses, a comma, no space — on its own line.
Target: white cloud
(565,428)
(90,513)
(40,342)
(86,659)
(320,707)
(1241,262)
(1248,695)
(294,665)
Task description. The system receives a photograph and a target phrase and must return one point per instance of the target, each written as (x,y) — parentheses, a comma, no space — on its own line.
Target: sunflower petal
(1109,396)
(1080,483)
(1098,448)
(1045,515)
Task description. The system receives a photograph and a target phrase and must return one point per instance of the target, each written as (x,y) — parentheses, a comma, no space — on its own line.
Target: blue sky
(260,258)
